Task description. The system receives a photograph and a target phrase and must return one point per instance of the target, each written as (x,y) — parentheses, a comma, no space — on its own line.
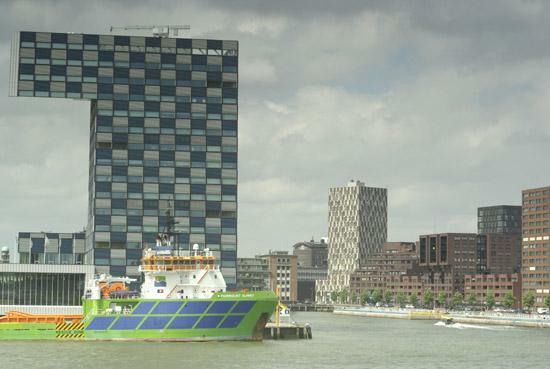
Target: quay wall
(516,320)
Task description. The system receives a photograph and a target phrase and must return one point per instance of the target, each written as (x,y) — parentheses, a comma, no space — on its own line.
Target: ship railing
(164,267)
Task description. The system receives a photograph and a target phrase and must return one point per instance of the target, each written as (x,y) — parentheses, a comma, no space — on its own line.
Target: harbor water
(338,342)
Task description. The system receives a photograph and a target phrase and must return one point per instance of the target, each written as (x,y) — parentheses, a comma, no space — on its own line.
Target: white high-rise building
(357,228)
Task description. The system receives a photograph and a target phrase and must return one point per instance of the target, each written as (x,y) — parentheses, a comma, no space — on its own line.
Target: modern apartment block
(357,228)
(312,266)
(395,259)
(282,274)
(499,253)
(499,219)
(452,252)
(536,243)
(252,274)
(501,224)
(52,248)
(481,285)
(163,127)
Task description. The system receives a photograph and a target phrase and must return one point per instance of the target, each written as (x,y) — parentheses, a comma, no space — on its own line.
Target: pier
(287,331)
(320,308)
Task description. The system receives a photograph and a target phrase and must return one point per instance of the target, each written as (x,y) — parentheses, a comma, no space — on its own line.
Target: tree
(509,300)
(490,300)
(364,297)
(376,296)
(353,297)
(529,300)
(472,300)
(388,296)
(400,298)
(457,299)
(344,294)
(547,301)
(334,296)
(413,300)
(428,298)
(442,299)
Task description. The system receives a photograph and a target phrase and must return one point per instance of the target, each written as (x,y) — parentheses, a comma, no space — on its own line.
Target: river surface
(338,342)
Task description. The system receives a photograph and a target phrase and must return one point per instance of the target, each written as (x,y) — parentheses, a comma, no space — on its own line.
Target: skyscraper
(536,243)
(357,228)
(163,127)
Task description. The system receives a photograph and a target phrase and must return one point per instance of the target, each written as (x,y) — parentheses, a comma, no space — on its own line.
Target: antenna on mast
(157,30)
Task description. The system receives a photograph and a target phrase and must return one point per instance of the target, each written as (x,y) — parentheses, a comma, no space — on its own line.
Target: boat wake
(473,326)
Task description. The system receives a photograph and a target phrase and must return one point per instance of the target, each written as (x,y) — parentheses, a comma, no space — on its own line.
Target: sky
(444,103)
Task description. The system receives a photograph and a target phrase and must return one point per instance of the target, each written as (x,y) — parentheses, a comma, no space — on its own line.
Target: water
(338,342)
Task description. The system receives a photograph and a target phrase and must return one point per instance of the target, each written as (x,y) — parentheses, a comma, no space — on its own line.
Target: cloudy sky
(445,103)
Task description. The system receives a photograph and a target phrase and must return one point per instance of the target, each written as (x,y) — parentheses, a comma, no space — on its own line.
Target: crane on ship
(157,30)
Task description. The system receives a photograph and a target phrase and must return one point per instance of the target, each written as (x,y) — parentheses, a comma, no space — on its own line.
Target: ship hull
(227,316)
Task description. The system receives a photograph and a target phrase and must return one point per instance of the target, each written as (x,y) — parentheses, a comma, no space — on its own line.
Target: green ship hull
(225,316)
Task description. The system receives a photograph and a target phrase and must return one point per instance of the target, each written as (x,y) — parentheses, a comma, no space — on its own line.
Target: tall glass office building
(163,127)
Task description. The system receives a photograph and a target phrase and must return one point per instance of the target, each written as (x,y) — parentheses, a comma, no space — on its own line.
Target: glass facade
(44,289)
(163,127)
(51,248)
(499,219)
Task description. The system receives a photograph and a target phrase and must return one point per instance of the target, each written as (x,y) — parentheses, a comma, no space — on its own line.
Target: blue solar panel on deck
(143,307)
(183,322)
(167,307)
(232,321)
(100,323)
(220,307)
(195,307)
(127,322)
(155,322)
(243,307)
(209,321)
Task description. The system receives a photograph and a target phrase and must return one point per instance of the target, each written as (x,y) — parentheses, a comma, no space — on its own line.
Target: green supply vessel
(183,298)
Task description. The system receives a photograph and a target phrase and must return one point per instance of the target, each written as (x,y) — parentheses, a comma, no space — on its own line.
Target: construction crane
(157,30)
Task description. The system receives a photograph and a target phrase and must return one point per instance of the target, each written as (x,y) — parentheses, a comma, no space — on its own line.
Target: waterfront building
(499,253)
(481,285)
(499,219)
(4,255)
(43,288)
(283,274)
(502,226)
(536,243)
(449,252)
(163,127)
(311,253)
(396,270)
(357,228)
(312,266)
(252,274)
(52,248)
(396,259)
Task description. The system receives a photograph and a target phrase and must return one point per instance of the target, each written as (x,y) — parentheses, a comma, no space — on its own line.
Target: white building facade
(357,228)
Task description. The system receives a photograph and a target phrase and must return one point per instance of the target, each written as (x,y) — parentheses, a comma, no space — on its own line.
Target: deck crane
(157,30)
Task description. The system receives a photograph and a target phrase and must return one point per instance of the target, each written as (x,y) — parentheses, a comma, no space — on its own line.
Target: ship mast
(169,235)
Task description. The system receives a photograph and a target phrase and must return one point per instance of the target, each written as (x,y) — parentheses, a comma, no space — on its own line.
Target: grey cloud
(458,118)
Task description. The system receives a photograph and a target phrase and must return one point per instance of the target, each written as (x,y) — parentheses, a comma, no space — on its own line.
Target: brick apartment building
(480,285)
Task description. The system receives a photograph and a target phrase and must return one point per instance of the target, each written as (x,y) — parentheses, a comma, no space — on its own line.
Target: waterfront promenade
(477,317)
